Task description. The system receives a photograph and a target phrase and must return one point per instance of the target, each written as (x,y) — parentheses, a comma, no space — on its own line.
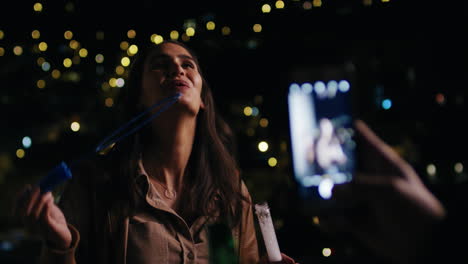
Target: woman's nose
(175,69)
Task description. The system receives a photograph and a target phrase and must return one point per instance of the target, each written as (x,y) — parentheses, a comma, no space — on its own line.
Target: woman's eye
(189,65)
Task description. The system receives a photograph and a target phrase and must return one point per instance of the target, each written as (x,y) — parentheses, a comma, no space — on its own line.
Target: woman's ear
(202,105)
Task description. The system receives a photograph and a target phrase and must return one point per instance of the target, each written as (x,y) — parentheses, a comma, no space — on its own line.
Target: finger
(33,200)
(42,201)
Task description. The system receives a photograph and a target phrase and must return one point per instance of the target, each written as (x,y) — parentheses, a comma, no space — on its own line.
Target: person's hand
(393,212)
(285,260)
(41,215)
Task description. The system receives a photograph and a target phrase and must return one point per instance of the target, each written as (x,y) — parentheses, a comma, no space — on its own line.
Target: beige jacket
(100,233)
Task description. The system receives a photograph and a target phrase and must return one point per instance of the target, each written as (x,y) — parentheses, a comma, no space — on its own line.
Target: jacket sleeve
(246,232)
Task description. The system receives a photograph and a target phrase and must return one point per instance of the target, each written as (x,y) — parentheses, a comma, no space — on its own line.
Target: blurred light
(184,37)
(263,146)
(255,111)
(105,86)
(113,82)
(20,153)
(316,220)
(248,111)
(109,102)
(42,46)
(174,34)
(344,86)
(385,1)
(458,167)
(75,126)
(45,66)
(279,4)
(26,142)
(225,30)
(307,5)
(132,50)
(2,34)
(332,87)
(367,2)
(125,61)
(325,188)
(40,84)
(35,34)
(74,44)
(131,34)
(124,45)
(294,87)
(68,35)
(320,88)
(266,8)
(83,53)
(210,25)
(431,169)
(263,122)
(99,58)
(56,74)
(37,7)
(120,82)
(440,98)
(67,62)
(157,39)
(307,87)
(386,104)
(18,50)
(257,28)
(326,252)
(40,61)
(272,162)
(99,35)
(70,7)
(190,31)
(317,3)
(119,70)
(2,51)
(6,245)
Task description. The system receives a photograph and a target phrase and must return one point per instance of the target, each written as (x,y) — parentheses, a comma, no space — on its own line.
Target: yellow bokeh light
(43,46)
(210,25)
(266,8)
(131,34)
(74,44)
(317,3)
(40,61)
(124,45)
(367,2)
(119,70)
(68,35)
(132,50)
(326,252)
(2,34)
(125,61)
(20,153)
(190,31)
(226,30)
(263,122)
(56,74)
(40,84)
(257,28)
(2,51)
(113,82)
(35,34)
(174,35)
(75,126)
(458,167)
(83,53)
(37,7)
(279,4)
(248,111)
(67,63)
(184,37)
(272,162)
(18,50)
(109,102)
(263,146)
(99,58)
(316,220)
(105,86)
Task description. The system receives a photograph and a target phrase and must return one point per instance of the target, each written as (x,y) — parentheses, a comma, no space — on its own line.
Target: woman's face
(170,70)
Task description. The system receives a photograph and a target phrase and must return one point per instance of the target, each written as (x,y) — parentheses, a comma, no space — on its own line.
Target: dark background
(412,53)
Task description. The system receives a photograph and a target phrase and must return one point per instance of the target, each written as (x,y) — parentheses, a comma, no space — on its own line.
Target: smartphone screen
(322,136)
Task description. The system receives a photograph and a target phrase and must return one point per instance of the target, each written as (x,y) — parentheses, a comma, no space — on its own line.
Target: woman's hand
(285,260)
(41,215)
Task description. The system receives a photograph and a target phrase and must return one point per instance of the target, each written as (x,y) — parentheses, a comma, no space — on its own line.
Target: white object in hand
(268,232)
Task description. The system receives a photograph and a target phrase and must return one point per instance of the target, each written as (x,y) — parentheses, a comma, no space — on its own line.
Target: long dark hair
(212,182)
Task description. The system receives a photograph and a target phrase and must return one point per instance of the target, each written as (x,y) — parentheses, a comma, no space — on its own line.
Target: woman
(154,196)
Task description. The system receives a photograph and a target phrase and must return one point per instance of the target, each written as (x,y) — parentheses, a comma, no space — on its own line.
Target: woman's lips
(177,84)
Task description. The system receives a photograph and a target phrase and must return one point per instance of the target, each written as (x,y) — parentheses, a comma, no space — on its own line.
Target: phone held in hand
(322,139)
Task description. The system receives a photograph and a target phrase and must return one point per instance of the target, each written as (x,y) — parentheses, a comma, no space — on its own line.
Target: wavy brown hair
(212,173)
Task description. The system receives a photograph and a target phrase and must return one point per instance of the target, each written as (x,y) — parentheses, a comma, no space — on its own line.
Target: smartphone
(322,139)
